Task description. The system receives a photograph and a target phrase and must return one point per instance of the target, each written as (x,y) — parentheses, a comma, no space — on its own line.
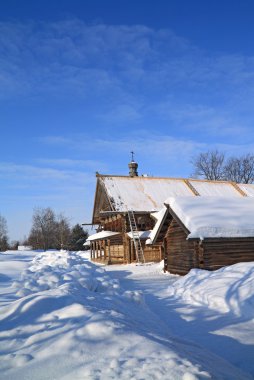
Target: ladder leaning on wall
(135,237)
(133,226)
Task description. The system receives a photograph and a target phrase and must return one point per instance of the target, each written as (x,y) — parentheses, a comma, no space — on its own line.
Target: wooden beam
(109,253)
(239,189)
(96,252)
(192,188)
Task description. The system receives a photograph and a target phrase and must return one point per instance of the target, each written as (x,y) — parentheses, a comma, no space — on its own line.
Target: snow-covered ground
(63,317)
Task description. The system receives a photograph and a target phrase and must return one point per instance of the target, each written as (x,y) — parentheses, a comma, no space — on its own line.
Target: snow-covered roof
(143,193)
(215,217)
(212,188)
(141,234)
(159,216)
(102,235)
(247,188)
(149,193)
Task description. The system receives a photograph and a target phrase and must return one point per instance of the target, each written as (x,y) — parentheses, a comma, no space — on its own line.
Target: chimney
(133,167)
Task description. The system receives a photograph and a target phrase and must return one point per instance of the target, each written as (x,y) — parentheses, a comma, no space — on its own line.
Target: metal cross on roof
(132,156)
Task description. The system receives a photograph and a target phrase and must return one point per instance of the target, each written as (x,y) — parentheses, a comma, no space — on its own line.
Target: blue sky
(82,83)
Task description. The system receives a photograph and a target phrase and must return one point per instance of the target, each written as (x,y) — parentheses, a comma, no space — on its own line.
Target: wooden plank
(180,254)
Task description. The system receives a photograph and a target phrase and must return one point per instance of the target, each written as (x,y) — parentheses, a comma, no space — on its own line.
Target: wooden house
(126,212)
(205,232)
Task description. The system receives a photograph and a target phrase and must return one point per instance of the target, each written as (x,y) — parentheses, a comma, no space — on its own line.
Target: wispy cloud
(71,163)
(35,182)
(160,153)
(202,119)
(127,70)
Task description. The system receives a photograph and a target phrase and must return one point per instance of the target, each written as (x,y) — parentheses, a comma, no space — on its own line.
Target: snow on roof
(159,216)
(102,235)
(142,234)
(210,188)
(215,217)
(247,188)
(143,193)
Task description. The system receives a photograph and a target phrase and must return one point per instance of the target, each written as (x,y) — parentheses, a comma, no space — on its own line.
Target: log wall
(152,253)
(180,254)
(223,252)
(120,248)
(116,253)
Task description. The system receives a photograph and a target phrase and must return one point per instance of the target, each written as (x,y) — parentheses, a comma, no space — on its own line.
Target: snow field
(64,317)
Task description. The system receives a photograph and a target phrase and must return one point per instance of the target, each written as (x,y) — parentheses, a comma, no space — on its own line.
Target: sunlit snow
(63,317)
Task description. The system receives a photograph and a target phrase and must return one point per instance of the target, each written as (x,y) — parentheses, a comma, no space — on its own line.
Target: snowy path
(224,335)
(63,318)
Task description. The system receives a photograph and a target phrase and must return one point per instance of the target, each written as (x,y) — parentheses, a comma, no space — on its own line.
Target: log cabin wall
(121,248)
(114,249)
(222,252)
(117,250)
(153,253)
(113,223)
(108,251)
(180,254)
(144,222)
(124,252)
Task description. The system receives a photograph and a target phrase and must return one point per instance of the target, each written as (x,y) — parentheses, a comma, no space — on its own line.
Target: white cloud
(71,163)
(145,141)
(122,72)
(75,55)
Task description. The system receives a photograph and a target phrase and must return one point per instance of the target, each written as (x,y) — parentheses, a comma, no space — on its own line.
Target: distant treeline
(49,231)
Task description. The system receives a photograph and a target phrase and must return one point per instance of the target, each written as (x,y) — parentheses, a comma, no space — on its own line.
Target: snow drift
(64,317)
(229,289)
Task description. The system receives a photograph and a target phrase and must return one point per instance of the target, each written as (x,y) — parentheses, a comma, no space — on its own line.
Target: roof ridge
(98,175)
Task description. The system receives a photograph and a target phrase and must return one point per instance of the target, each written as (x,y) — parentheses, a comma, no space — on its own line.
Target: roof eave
(177,219)
(95,196)
(99,184)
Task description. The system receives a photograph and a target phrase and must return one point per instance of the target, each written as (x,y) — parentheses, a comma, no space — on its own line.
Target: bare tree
(43,230)
(35,239)
(209,165)
(240,169)
(49,230)
(62,232)
(232,170)
(3,234)
(248,168)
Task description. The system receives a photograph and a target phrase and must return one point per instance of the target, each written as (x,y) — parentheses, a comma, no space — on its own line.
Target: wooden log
(97,249)
(109,252)
(132,251)
(180,254)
